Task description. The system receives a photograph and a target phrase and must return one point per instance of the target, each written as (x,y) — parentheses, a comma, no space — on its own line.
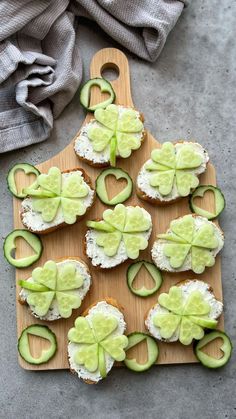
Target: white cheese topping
(144,176)
(187,288)
(53,313)
(105,308)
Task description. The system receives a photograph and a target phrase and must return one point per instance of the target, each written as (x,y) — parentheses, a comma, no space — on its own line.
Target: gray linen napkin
(40,64)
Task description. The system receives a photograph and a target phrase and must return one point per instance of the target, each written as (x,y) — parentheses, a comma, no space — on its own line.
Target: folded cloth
(40,62)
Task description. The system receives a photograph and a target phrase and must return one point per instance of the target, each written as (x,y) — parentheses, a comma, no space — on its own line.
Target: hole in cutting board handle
(110,71)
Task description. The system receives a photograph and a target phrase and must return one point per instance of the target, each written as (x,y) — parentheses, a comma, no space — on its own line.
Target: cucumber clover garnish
(97,338)
(53,193)
(125,224)
(170,167)
(120,131)
(60,286)
(185,239)
(187,317)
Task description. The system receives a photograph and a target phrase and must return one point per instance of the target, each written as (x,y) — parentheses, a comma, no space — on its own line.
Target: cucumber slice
(27,169)
(133,270)
(102,362)
(9,245)
(210,361)
(219,201)
(205,322)
(101,186)
(32,286)
(152,348)
(105,87)
(113,145)
(100,225)
(43,332)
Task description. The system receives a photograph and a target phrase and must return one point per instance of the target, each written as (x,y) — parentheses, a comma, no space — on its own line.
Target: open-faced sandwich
(114,132)
(54,290)
(191,243)
(184,313)
(97,340)
(120,235)
(172,172)
(57,199)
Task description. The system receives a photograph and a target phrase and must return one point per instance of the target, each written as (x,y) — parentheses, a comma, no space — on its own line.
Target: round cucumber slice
(209,361)
(43,332)
(105,87)
(133,270)
(9,245)
(134,339)
(101,186)
(32,286)
(27,169)
(219,201)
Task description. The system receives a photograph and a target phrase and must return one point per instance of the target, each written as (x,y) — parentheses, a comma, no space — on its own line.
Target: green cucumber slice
(205,322)
(133,270)
(105,87)
(102,362)
(43,332)
(100,225)
(134,339)
(27,169)
(113,145)
(39,193)
(32,286)
(101,186)
(210,361)
(219,201)
(9,245)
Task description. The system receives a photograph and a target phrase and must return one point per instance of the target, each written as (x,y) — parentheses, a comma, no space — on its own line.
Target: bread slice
(151,194)
(83,146)
(188,286)
(53,313)
(163,262)
(109,306)
(32,220)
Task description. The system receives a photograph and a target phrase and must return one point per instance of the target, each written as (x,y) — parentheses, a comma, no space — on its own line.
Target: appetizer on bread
(191,243)
(172,172)
(114,132)
(184,312)
(55,289)
(57,199)
(97,340)
(120,235)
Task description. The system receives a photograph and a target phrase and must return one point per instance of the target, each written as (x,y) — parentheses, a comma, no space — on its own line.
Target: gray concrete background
(187,93)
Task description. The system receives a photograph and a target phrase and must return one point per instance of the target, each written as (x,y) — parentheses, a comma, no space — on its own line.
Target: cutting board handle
(112,58)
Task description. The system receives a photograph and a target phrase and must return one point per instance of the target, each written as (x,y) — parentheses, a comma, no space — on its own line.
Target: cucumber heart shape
(165,155)
(47,275)
(183,227)
(205,237)
(177,253)
(103,326)
(133,244)
(189,331)
(52,181)
(72,209)
(107,117)
(109,241)
(48,208)
(82,332)
(66,302)
(114,346)
(196,305)
(201,258)
(129,122)
(167,322)
(136,221)
(172,301)
(68,278)
(116,217)
(126,143)
(164,180)
(185,182)
(74,187)
(188,158)
(40,301)
(88,356)
(100,137)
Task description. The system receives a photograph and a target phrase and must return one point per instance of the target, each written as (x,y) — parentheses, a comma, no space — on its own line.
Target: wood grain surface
(69,240)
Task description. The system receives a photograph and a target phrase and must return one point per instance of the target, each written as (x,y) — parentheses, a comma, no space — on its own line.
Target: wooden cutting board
(69,241)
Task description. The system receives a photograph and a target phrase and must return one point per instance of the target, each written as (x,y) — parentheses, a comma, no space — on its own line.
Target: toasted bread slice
(33,220)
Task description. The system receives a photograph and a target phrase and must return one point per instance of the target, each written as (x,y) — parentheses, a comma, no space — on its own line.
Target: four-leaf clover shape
(122,223)
(185,316)
(170,167)
(96,337)
(184,238)
(59,285)
(53,191)
(122,131)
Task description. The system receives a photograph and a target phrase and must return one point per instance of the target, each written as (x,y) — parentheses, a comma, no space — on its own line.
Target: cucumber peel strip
(210,361)
(27,169)
(32,239)
(32,286)
(40,331)
(219,201)
(133,270)
(152,348)
(105,87)
(101,186)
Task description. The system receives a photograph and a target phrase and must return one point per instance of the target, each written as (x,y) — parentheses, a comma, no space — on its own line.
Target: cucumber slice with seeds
(101,186)
(152,348)
(32,286)
(105,87)
(133,270)
(27,169)
(219,201)
(9,246)
(210,361)
(40,331)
